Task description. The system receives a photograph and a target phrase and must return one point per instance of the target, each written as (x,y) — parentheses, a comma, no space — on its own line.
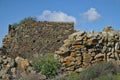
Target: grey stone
(3,72)
(13,70)
(117,46)
(1,60)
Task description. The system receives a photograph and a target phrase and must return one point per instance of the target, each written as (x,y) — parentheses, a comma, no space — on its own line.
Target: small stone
(29,69)
(117,46)
(2,72)
(79,69)
(1,60)
(72,54)
(24,63)
(13,70)
(4,57)
(79,58)
(78,46)
(71,68)
(8,65)
(69,58)
(117,51)
(64,49)
(5,61)
(99,56)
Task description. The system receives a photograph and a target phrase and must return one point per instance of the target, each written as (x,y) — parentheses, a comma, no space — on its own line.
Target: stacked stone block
(82,49)
(36,38)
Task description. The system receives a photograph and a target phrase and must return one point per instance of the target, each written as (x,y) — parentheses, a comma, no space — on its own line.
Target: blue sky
(87,14)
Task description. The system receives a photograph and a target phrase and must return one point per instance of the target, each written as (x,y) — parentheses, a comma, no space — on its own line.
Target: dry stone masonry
(82,49)
(36,38)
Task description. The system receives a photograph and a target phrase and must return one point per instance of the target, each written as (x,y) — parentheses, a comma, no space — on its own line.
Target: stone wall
(82,49)
(36,38)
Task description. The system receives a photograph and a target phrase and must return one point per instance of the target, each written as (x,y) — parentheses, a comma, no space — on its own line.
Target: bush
(28,20)
(50,68)
(116,77)
(15,25)
(105,77)
(47,65)
(25,21)
(88,74)
(73,76)
(100,70)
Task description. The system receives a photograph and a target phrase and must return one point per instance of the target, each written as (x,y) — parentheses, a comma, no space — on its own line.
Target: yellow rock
(85,38)
(78,62)
(69,58)
(78,46)
(24,63)
(79,58)
(71,68)
(98,59)
(67,63)
(86,56)
(117,51)
(66,45)
(72,54)
(85,64)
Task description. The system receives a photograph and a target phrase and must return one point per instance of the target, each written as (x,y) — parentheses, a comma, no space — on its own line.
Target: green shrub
(98,71)
(28,20)
(102,69)
(73,76)
(15,25)
(116,77)
(47,65)
(104,77)
(50,68)
(88,74)
(25,21)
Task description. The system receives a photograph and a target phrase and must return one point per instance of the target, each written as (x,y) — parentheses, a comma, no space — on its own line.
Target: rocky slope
(17,69)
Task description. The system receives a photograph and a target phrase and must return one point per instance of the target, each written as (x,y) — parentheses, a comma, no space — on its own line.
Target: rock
(9,67)
(79,69)
(117,46)
(64,49)
(72,54)
(117,51)
(76,35)
(99,56)
(108,28)
(1,60)
(24,63)
(18,60)
(3,72)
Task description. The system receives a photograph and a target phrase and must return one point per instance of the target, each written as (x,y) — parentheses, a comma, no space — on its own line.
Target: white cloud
(91,15)
(56,16)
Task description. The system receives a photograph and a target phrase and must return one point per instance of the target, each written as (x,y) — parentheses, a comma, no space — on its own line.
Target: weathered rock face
(82,49)
(36,38)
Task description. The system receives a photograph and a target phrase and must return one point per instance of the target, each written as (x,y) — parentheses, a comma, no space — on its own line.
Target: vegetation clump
(98,71)
(25,21)
(47,65)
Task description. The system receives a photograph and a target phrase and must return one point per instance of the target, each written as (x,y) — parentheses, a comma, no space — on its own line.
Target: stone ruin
(36,38)
(82,49)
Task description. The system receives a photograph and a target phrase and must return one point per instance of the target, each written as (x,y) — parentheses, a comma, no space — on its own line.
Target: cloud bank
(91,15)
(56,16)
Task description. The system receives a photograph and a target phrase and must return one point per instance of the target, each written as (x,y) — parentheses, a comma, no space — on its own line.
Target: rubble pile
(17,69)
